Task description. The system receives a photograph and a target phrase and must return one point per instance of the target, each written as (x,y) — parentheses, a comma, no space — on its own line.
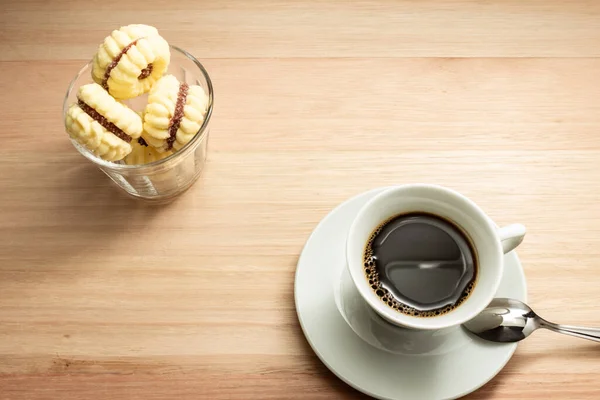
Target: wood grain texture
(65,29)
(103,297)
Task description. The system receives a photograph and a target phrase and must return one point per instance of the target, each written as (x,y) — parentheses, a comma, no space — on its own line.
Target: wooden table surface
(102,297)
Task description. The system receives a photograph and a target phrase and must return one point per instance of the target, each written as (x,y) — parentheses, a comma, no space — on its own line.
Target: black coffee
(420,264)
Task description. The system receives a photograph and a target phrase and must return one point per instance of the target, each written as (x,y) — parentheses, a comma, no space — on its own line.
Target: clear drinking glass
(165,179)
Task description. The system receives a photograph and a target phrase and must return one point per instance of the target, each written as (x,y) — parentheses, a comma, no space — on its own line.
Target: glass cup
(165,179)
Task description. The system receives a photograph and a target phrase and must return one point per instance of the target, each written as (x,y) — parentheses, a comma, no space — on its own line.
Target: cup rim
(401,319)
(198,137)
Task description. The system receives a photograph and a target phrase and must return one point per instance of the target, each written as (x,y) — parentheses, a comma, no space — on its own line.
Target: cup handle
(511,236)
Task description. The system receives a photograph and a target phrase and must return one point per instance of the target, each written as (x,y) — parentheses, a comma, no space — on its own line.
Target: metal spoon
(508,320)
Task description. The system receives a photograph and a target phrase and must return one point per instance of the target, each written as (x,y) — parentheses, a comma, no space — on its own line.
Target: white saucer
(415,365)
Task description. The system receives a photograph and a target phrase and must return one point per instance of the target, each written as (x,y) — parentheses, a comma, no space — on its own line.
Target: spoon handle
(578,331)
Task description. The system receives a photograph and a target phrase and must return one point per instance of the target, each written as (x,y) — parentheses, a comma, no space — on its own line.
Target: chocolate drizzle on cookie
(146,72)
(143,75)
(106,124)
(177,114)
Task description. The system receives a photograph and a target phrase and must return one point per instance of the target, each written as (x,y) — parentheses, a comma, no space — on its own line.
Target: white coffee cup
(490,244)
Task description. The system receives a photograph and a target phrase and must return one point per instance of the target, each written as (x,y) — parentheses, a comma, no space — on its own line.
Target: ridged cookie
(174,114)
(131,60)
(102,124)
(141,153)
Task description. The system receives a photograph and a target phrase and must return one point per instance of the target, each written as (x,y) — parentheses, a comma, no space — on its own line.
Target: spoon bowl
(509,320)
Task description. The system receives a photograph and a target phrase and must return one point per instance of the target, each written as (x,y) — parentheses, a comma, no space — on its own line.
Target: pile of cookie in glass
(131,62)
